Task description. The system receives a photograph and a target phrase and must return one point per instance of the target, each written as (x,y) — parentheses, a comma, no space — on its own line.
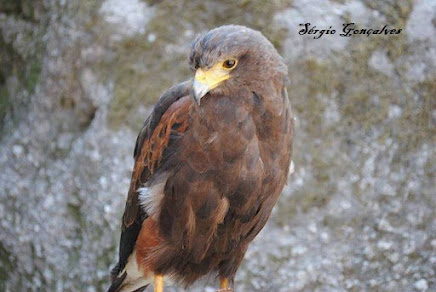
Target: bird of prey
(210,163)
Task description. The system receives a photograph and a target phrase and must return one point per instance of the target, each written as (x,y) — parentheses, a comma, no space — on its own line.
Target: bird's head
(230,57)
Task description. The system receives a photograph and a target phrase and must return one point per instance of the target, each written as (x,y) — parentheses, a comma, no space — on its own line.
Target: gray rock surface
(78,78)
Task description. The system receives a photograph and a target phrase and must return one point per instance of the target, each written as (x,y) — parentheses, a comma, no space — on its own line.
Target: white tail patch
(135,278)
(151,195)
(291,168)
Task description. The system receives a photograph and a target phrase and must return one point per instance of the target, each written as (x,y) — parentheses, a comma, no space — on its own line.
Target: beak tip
(199,90)
(198,100)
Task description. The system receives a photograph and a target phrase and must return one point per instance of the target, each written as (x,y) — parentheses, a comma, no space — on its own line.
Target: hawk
(210,163)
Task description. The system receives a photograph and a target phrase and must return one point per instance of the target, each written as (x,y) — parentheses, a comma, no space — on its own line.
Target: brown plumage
(210,163)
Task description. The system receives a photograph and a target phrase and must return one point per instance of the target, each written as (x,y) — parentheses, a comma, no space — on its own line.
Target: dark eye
(229,64)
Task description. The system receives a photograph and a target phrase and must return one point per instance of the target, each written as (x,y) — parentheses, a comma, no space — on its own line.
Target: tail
(127,276)
(128,280)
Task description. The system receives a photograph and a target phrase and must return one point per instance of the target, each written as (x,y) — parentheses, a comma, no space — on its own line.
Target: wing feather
(153,140)
(166,123)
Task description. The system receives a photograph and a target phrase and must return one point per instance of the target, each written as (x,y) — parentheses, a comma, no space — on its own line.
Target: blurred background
(79,77)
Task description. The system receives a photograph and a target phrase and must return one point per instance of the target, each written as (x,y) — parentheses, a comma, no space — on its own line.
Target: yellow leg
(158,283)
(224,283)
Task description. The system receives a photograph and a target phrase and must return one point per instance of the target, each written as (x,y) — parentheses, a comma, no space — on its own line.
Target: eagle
(210,163)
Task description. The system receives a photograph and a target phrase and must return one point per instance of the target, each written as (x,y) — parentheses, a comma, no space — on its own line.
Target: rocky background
(78,78)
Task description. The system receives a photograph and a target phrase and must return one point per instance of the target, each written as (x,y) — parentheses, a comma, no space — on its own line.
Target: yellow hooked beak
(206,80)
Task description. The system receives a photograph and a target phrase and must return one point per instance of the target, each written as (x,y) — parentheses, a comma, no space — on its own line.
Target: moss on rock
(20,56)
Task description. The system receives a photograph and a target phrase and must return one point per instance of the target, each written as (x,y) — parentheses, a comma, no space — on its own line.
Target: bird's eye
(229,64)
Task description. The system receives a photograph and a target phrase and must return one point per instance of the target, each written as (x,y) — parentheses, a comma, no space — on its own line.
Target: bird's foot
(225,290)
